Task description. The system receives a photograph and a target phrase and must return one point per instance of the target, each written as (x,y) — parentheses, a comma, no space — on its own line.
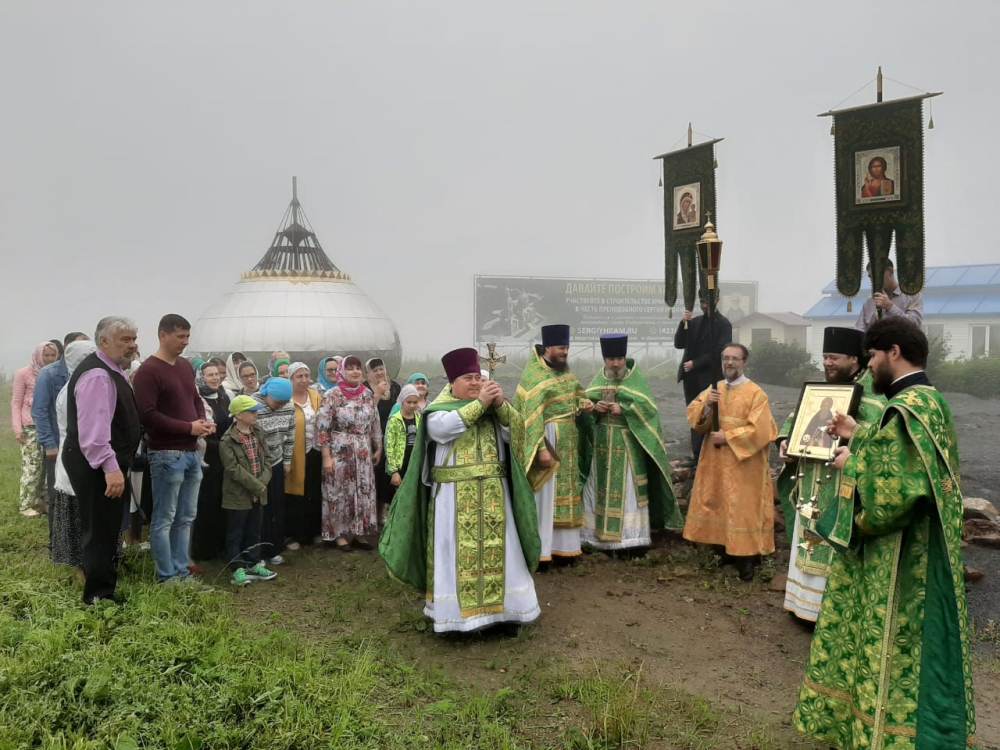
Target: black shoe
(744,568)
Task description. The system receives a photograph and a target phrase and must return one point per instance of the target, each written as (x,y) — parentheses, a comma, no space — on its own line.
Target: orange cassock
(732,501)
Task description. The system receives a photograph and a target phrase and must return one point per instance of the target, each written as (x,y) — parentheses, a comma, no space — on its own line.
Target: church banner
(879,170)
(688,199)
(512,309)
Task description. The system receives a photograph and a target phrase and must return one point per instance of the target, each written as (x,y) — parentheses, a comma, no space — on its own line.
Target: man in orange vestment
(732,502)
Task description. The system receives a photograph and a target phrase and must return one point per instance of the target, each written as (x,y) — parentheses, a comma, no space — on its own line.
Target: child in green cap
(246,472)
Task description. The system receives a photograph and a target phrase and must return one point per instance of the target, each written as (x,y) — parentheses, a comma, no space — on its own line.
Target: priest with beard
(890,663)
(817,519)
(732,505)
(551,399)
(463,526)
(628,492)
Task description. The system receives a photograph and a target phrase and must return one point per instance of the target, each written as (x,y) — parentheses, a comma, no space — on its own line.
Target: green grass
(180,667)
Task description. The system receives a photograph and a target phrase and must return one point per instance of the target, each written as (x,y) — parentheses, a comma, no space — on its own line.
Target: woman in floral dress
(349,434)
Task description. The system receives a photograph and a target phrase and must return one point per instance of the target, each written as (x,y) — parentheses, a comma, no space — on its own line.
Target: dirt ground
(690,624)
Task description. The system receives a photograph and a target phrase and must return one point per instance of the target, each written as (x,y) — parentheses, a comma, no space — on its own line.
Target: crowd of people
(467,493)
(219,462)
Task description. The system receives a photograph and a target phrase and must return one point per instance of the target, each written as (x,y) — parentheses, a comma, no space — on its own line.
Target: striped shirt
(279,431)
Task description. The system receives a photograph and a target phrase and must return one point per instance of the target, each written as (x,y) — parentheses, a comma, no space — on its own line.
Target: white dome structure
(296,300)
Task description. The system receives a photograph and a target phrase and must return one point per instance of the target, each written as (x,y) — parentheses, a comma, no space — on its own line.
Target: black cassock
(702,341)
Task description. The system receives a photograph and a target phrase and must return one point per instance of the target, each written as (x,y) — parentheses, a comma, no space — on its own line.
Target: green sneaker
(259,573)
(240,578)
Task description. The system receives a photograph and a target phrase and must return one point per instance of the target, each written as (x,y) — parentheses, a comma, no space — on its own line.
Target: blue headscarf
(321,379)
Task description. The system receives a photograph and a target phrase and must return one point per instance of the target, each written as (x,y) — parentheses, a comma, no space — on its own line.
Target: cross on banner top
(492,359)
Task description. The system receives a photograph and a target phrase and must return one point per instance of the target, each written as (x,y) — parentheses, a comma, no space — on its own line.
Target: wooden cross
(492,359)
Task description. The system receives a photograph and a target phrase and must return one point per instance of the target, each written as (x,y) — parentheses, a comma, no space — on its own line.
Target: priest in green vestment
(463,526)
(890,665)
(628,491)
(551,400)
(809,489)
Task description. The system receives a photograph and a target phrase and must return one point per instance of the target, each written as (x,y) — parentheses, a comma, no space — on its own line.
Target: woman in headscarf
(350,437)
(208,536)
(249,379)
(232,382)
(64,515)
(32,492)
(271,362)
(302,483)
(326,375)
(280,369)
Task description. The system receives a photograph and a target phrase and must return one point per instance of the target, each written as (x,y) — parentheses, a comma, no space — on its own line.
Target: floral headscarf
(351,392)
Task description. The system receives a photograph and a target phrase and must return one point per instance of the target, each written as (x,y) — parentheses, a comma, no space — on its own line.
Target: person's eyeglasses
(732,359)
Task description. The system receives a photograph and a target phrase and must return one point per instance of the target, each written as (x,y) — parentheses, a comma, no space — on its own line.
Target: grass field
(185,667)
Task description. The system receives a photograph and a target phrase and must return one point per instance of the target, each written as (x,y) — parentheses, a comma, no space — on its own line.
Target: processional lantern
(688,183)
(879,173)
(710,260)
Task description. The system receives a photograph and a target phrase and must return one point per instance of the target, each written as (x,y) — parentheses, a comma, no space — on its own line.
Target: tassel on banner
(930,122)
(715,164)
(850,305)
(661,182)
(832,129)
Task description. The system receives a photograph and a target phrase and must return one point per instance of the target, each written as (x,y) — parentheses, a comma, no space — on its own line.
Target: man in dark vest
(702,341)
(102,435)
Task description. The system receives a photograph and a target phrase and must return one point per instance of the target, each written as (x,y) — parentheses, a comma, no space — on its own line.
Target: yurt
(296,300)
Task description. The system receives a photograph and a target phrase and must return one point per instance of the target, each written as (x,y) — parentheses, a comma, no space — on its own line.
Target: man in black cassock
(701,366)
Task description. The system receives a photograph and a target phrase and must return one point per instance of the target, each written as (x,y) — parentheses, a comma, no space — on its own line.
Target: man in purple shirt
(102,435)
(174,417)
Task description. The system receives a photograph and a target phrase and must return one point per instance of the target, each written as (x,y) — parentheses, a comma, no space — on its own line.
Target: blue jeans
(176,476)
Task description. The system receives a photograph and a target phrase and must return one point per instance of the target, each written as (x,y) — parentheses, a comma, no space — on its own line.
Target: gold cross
(492,359)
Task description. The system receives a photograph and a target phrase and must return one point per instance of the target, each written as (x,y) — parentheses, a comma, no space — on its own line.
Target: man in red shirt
(173,416)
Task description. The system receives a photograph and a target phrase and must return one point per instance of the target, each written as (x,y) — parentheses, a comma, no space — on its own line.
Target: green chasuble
(407,543)
(890,663)
(633,440)
(818,489)
(545,396)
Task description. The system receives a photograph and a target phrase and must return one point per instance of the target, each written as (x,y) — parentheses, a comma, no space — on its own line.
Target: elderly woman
(350,436)
(64,514)
(302,483)
(208,535)
(32,495)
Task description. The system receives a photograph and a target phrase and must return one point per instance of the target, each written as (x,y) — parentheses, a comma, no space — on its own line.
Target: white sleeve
(444,426)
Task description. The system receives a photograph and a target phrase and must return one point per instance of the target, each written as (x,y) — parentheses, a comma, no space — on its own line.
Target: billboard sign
(512,309)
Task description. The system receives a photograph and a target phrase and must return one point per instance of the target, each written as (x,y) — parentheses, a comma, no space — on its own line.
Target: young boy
(244,490)
(277,421)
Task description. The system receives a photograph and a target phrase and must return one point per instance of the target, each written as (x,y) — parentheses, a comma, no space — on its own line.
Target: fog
(147,149)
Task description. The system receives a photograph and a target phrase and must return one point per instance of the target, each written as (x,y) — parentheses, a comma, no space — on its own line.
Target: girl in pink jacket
(23,393)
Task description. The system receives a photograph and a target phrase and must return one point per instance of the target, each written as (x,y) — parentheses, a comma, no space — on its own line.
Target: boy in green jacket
(246,472)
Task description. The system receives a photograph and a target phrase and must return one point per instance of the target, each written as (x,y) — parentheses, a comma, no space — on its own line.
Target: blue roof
(937,302)
(945,277)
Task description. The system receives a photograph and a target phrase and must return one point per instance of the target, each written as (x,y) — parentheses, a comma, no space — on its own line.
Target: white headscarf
(407,390)
(76,352)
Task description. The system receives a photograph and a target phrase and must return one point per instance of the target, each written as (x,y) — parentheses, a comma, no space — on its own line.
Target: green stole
(545,395)
(890,663)
(407,541)
(633,439)
(810,481)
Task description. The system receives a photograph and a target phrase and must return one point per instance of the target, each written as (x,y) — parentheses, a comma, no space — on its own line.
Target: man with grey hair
(102,434)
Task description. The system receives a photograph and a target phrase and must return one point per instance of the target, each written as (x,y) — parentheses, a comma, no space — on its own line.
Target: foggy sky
(148,148)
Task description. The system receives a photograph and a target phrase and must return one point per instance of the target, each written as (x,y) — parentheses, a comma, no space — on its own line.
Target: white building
(961,305)
(760,327)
